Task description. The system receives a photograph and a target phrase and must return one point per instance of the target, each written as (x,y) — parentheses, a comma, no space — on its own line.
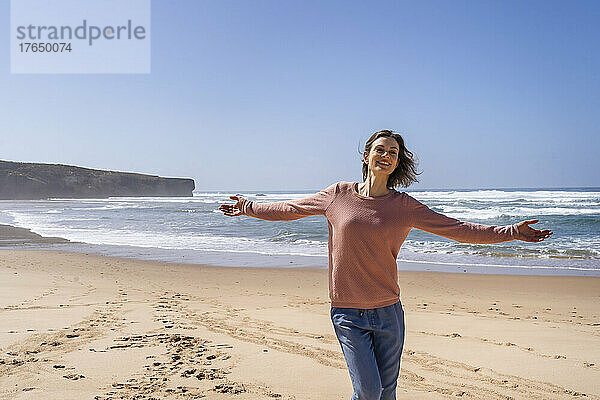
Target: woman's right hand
(233,210)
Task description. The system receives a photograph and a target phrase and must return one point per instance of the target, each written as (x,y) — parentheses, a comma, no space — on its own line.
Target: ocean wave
(461,212)
(498,196)
(196,224)
(542,197)
(166,240)
(508,266)
(571,249)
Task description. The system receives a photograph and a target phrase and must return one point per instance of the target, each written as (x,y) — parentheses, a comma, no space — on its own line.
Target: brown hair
(406,170)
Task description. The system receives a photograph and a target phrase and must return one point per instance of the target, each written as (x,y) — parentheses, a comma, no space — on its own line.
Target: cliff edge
(31,181)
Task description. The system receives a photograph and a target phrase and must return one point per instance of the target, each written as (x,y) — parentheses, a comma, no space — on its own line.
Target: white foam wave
(168,240)
(501,265)
(577,248)
(541,197)
(499,196)
(459,212)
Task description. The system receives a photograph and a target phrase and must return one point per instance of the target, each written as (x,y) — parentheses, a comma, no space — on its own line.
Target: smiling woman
(404,172)
(368,222)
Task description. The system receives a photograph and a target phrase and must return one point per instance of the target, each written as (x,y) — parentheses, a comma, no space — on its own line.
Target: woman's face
(383,156)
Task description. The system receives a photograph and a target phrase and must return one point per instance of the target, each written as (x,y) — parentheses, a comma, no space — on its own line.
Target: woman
(368,222)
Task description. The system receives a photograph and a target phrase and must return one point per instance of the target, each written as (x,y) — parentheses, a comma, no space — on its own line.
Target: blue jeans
(371,341)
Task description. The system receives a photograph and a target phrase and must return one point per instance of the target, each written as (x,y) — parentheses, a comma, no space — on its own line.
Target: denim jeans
(371,340)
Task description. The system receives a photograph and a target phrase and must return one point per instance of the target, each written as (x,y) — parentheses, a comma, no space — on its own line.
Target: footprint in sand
(588,365)
(230,388)
(73,377)
(182,359)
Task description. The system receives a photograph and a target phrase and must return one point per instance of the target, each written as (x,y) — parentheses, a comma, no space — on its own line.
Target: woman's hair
(406,170)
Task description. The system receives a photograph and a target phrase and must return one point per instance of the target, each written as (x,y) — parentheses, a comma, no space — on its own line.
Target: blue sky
(270,95)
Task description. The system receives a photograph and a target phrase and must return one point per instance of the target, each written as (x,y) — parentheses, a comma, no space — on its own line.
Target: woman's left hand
(529,234)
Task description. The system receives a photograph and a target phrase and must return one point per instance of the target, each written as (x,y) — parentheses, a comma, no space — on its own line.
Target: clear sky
(280,95)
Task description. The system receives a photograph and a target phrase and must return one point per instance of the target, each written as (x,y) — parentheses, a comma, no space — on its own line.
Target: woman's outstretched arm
(290,210)
(424,218)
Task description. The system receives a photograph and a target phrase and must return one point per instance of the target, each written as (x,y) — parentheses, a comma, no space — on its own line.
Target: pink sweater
(365,235)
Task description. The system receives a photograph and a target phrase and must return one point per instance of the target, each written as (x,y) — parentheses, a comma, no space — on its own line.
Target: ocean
(192,230)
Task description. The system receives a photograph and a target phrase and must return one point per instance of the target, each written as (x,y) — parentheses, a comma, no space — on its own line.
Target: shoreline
(78,326)
(23,238)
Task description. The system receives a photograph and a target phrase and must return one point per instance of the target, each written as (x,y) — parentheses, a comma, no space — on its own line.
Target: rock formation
(29,181)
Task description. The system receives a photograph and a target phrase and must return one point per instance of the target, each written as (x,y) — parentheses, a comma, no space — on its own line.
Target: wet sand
(75,326)
(13,236)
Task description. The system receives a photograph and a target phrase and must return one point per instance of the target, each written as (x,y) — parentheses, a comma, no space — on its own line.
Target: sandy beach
(80,326)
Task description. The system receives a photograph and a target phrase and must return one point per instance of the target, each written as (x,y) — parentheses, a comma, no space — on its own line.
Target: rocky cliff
(21,181)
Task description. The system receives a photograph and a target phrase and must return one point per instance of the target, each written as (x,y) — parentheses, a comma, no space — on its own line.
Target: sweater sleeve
(422,217)
(315,204)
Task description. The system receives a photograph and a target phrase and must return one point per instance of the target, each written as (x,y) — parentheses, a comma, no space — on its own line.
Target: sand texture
(77,326)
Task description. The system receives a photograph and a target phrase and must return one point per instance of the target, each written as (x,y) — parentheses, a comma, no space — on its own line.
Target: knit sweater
(365,235)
